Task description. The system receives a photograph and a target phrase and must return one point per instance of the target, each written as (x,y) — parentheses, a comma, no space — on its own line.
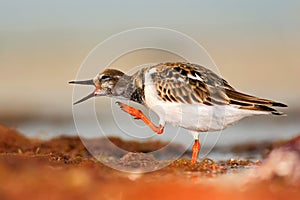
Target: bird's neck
(131,88)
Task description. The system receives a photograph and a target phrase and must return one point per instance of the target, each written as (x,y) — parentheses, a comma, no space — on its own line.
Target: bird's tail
(249,102)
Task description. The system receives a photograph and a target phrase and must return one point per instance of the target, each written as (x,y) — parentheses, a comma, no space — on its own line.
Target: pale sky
(255,44)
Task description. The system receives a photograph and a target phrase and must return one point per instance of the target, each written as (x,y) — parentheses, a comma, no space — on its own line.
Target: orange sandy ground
(62,169)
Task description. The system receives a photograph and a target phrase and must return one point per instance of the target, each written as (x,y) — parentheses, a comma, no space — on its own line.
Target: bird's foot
(158,129)
(195,150)
(138,114)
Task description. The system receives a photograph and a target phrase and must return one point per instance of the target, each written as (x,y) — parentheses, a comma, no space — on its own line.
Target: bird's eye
(105,78)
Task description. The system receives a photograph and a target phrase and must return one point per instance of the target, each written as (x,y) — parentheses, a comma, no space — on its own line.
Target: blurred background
(255,45)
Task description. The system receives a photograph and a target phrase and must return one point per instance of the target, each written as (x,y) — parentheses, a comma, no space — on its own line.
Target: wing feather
(194,84)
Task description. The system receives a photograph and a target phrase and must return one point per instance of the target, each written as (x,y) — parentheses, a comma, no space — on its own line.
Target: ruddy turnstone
(183,94)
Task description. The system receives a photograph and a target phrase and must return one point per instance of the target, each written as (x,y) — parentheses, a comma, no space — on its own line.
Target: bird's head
(104,83)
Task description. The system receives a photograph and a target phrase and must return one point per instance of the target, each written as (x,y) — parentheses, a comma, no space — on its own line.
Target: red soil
(62,168)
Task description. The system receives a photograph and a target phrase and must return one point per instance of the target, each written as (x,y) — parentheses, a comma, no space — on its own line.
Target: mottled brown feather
(194,84)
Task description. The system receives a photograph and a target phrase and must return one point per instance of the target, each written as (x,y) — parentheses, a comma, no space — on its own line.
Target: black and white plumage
(184,89)
(183,94)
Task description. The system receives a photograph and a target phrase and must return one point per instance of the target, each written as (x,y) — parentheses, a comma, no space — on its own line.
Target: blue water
(253,130)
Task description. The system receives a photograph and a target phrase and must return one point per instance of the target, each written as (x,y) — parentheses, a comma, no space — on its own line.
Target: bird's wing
(190,83)
(194,84)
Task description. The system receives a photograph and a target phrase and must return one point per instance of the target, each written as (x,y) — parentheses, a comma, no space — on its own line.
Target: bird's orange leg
(140,115)
(195,149)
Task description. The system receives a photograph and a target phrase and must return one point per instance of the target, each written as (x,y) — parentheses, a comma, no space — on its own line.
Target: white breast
(195,117)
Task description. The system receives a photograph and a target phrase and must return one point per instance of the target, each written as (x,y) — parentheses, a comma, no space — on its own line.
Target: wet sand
(62,168)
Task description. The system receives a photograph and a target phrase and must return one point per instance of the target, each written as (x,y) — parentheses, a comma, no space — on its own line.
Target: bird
(182,94)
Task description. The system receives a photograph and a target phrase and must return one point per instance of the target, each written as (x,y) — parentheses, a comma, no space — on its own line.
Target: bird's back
(193,97)
(193,84)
